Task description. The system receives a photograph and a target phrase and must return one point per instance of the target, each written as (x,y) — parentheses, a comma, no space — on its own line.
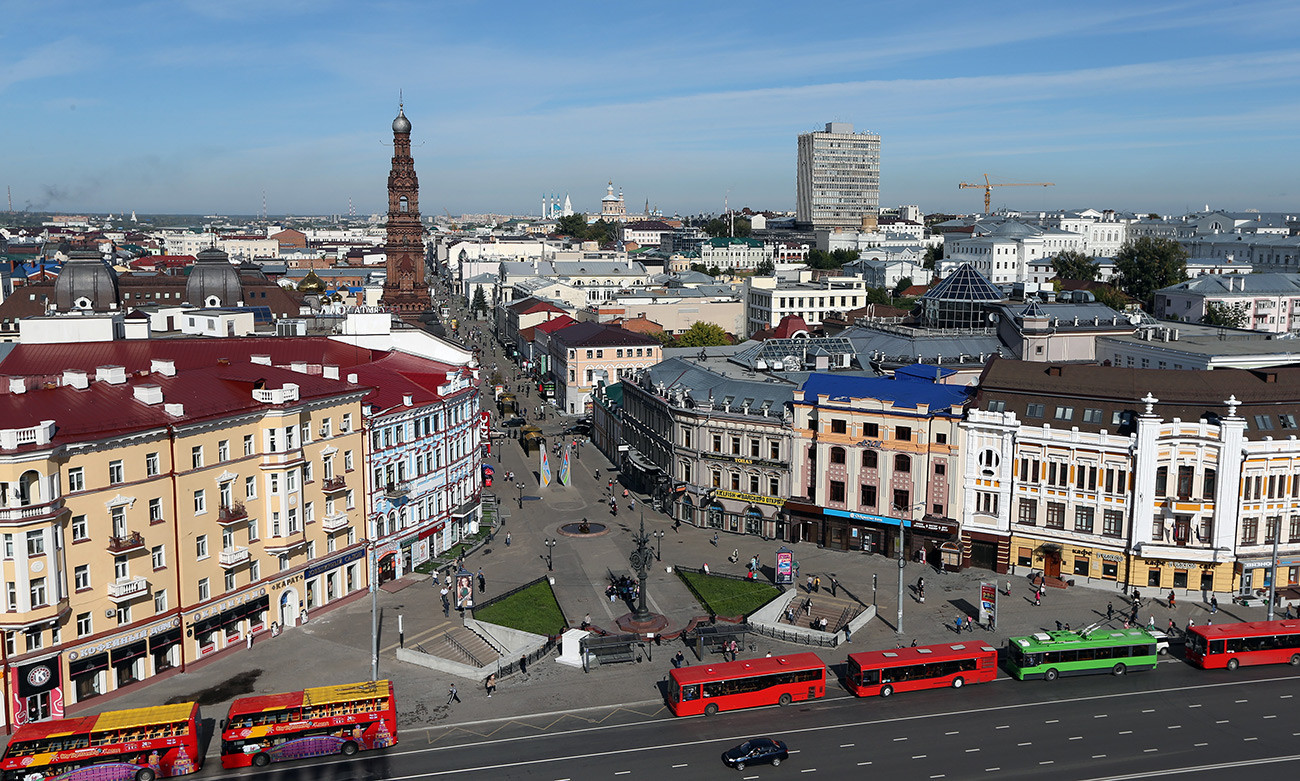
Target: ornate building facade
(405,292)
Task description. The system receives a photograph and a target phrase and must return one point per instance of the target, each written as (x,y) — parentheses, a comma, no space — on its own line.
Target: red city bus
(140,744)
(313,722)
(924,667)
(1250,642)
(749,683)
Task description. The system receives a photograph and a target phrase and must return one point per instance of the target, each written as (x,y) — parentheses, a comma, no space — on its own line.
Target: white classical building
(1269,302)
(768,299)
(1183,489)
(1005,253)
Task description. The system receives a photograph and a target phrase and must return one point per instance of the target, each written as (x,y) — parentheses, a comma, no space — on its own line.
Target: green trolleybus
(1049,655)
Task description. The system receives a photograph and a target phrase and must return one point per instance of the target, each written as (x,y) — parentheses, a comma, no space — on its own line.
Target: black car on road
(756,751)
(512,423)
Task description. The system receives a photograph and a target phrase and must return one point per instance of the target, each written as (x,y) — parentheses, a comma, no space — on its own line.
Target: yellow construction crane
(988,188)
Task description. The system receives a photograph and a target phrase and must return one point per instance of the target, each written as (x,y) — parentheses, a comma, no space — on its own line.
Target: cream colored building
(158,517)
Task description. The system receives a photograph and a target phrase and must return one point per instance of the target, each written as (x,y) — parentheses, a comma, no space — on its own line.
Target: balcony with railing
(232,513)
(334,484)
(335,521)
(126,589)
(126,543)
(233,557)
(397,489)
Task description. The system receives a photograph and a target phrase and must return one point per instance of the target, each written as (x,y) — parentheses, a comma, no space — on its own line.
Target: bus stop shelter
(612,649)
(715,638)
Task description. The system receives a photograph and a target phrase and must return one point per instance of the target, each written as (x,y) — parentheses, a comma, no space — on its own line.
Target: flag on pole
(545,467)
(566,476)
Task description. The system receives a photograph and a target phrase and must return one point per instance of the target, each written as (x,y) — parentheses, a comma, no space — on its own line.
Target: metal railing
(455,644)
(828,640)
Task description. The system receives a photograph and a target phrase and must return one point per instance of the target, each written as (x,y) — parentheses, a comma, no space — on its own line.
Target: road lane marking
(1194,705)
(744,736)
(940,775)
(1126,732)
(1240,701)
(1077,737)
(622,772)
(1004,726)
(919,756)
(1287,696)
(971,750)
(992,769)
(1270,717)
(868,762)
(684,764)
(1175,726)
(1250,739)
(809,770)
(1048,762)
(1191,769)
(898,739)
(1100,715)
(954,732)
(1052,721)
(846,745)
(1098,756)
(1026,743)
(1198,745)
(1149,750)
(1149,710)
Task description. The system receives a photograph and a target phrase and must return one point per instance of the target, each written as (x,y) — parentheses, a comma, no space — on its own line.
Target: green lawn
(532,610)
(728,597)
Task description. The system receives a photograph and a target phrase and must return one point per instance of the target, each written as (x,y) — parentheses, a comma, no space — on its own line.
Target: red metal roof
(555,324)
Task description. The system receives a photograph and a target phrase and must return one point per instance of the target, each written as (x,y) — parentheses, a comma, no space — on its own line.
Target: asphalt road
(1174,721)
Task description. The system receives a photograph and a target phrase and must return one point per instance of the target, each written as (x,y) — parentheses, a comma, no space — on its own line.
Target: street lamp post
(550,546)
(640,561)
(659,544)
(898,627)
(520,486)
(374,612)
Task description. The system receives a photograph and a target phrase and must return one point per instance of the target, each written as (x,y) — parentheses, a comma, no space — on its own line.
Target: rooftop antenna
(263,205)
(11,197)
(352,212)
(731,220)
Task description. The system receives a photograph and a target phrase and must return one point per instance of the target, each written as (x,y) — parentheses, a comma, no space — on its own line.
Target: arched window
(837,455)
(870,459)
(902,463)
(403,205)
(29,487)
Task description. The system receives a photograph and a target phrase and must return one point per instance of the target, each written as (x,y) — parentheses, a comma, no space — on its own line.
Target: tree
(765,268)
(665,338)
(602,232)
(1069,264)
(932,255)
(831,260)
(702,334)
(878,296)
(1148,264)
(480,300)
(903,284)
(721,226)
(1224,315)
(574,225)
(1105,294)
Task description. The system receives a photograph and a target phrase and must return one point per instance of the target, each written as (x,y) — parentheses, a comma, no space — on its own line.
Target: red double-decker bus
(324,720)
(139,744)
(924,667)
(748,683)
(1250,642)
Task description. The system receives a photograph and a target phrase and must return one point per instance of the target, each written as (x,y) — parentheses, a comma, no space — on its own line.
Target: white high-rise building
(838,178)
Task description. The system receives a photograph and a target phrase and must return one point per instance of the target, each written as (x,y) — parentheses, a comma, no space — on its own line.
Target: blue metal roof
(902,392)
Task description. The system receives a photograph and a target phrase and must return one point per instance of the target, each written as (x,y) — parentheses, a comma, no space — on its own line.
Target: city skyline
(202,107)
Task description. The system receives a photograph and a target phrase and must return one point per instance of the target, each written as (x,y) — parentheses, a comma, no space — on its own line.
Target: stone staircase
(837,611)
(461,645)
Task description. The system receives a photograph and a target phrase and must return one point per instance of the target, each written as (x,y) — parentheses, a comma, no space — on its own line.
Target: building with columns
(1155,479)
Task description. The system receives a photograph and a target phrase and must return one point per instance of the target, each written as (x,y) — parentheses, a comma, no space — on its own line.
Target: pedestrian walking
(1191,622)
(452,694)
(507,539)
(491,684)
(817,584)
(1172,604)
(678,658)
(958,622)
(714,540)
(1038,598)
(835,584)
(1110,611)
(848,634)
(482,581)
(808,586)
(523,665)
(807,606)
(970,624)
(1151,622)
(1214,604)
(1173,625)
(1008,588)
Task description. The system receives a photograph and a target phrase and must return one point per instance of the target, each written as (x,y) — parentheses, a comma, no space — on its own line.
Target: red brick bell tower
(405,292)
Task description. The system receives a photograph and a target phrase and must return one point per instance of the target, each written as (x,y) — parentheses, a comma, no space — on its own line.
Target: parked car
(512,423)
(581,427)
(1162,641)
(756,751)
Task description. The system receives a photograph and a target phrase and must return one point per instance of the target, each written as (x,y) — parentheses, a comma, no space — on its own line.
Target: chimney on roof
(148,394)
(352,378)
(113,375)
(264,360)
(164,366)
(407,399)
(17,385)
(77,379)
(330,372)
(1054,371)
(298,366)
(175,410)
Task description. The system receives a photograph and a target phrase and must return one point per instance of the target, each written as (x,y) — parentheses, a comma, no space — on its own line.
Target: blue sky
(188,106)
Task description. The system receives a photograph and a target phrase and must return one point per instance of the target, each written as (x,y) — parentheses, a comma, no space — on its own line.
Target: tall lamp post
(520,486)
(550,546)
(658,534)
(640,561)
(901,560)
(374,612)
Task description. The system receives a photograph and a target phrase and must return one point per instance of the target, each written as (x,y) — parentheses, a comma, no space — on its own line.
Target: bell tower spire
(405,292)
